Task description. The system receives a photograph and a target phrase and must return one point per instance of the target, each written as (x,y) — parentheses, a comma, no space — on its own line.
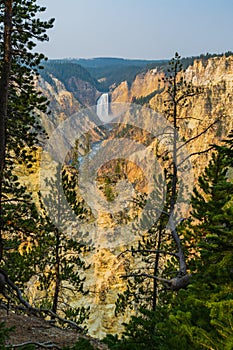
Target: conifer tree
(61,259)
(200,316)
(153,286)
(204,311)
(20,28)
(54,260)
(163,240)
(212,227)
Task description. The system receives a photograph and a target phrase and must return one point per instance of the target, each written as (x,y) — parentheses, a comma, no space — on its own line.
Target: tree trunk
(4,93)
(57,274)
(156,269)
(175,236)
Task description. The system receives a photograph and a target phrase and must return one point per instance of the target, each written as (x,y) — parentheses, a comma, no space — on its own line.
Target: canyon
(72,97)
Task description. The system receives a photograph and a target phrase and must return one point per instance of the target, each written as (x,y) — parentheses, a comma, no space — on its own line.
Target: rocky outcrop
(143,85)
(83,91)
(62,103)
(216,77)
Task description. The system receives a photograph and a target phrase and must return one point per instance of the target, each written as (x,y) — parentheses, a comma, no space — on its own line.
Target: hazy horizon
(134,58)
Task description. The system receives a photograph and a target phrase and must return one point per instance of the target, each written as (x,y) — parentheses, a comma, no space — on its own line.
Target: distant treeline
(64,70)
(188,61)
(104,73)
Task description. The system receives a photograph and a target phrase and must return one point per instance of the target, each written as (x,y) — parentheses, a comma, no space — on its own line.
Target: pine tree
(62,258)
(163,242)
(205,310)
(200,316)
(151,286)
(19,125)
(52,259)
(213,229)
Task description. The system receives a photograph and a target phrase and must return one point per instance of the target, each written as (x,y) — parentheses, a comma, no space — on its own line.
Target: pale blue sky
(150,29)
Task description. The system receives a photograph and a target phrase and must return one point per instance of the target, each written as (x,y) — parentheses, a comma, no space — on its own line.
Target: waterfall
(102,108)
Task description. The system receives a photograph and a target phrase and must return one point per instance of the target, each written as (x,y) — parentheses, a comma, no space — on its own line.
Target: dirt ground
(35,329)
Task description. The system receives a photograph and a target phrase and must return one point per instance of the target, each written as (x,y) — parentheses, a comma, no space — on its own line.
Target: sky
(145,29)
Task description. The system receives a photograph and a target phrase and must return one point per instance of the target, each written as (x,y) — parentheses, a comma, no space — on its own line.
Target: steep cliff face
(62,103)
(216,77)
(143,85)
(215,71)
(83,91)
(75,78)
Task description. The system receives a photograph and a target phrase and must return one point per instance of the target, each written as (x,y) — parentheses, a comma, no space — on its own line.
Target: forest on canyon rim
(172,288)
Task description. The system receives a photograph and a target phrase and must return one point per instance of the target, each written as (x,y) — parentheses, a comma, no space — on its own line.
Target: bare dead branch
(184,118)
(196,153)
(5,280)
(180,253)
(176,283)
(46,345)
(63,320)
(19,294)
(31,309)
(198,135)
(146,275)
(148,251)
(13,200)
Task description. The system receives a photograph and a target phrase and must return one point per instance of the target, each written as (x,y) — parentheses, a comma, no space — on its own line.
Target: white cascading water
(102,108)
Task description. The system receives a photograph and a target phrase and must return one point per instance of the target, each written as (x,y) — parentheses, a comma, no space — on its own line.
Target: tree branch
(63,320)
(14,200)
(46,345)
(174,283)
(149,251)
(39,37)
(191,94)
(146,275)
(30,308)
(16,289)
(180,254)
(196,153)
(198,135)
(184,118)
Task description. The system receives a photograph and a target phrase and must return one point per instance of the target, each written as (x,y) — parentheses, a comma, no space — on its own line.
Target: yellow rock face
(105,282)
(143,85)
(216,77)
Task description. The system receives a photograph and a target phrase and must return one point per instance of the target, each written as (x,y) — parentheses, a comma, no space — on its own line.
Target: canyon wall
(107,265)
(215,77)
